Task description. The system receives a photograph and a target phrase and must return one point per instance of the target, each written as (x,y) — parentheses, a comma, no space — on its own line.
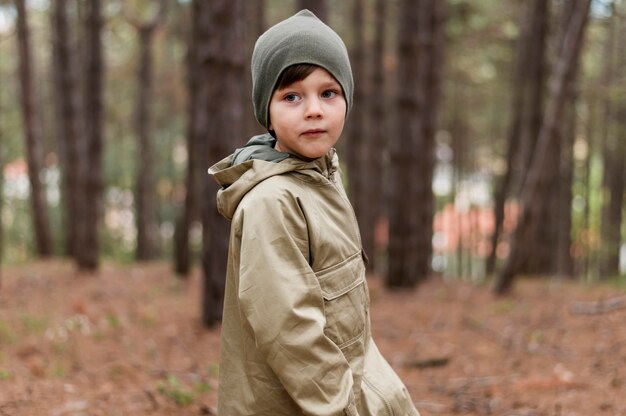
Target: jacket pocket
(345,300)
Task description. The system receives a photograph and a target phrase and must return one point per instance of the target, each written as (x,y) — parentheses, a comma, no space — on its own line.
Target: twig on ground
(489,333)
(429,362)
(486,381)
(152,399)
(598,307)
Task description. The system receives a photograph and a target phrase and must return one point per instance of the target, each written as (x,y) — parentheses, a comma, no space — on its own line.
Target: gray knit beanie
(300,39)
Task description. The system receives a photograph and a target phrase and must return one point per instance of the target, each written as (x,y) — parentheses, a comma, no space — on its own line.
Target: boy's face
(308,116)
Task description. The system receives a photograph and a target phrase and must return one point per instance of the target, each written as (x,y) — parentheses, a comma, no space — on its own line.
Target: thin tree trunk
(222,43)
(87,253)
(613,154)
(565,261)
(541,233)
(377,138)
(401,250)
(318,7)
(255,26)
(587,173)
(357,155)
(412,158)
(2,162)
(147,227)
(567,131)
(33,135)
(68,135)
(503,187)
(189,211)
(432,42)
(146,207)
(568,57)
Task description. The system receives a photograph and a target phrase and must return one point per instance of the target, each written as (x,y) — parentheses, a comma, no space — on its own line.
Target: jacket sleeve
(281,302)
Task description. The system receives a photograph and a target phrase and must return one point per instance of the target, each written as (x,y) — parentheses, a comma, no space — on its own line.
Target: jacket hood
(238,173)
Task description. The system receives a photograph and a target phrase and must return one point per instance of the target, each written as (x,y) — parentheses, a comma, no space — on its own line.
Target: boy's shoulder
(273,189)
(284,191)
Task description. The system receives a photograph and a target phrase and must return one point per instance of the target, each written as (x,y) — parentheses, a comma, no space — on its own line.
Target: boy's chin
(313,154)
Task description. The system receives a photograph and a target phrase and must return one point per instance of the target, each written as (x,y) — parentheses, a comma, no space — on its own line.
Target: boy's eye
(329,94)
(291,97)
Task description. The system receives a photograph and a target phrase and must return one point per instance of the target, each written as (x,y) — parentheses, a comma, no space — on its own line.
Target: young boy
(296,329)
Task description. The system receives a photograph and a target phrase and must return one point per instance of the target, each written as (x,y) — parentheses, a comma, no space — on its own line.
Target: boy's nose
(313,108)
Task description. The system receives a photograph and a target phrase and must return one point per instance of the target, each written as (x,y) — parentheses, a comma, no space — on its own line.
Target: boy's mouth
(313,132)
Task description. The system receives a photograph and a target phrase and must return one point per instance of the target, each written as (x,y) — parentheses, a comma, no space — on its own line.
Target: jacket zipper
(331,177)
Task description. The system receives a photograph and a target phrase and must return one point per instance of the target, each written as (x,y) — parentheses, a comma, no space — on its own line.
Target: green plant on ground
(33,324)
(4,374)
(114,321)
(7,334)
(213,369)
(202,387)
(59,371)
(174,389)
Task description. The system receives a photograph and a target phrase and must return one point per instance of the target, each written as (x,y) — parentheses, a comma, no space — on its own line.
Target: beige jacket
(296,327)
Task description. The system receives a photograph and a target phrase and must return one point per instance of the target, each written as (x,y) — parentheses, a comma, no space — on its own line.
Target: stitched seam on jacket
(322,273)
(380,394)
(351,341)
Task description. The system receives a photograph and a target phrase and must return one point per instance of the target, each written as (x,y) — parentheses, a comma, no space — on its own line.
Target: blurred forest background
(487,138)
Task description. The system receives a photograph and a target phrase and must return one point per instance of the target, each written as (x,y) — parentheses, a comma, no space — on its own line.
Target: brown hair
(294,73)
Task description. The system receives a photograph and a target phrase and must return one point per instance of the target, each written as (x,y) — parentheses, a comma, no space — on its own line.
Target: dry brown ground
(127,342)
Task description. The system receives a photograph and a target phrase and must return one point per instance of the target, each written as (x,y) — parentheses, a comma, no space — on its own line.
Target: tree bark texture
(541,234)
(196,125)
(220,54)
(569,54)
(68,133)
(255,25)
(318,7)
(33,135)
(146,203)
(564,265)
(523,67)
(358,149)
(378,134)
(2,162)
(412,154)
(87,253)
(614,154)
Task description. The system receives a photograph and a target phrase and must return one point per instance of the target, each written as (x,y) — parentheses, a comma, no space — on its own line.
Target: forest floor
(127,341)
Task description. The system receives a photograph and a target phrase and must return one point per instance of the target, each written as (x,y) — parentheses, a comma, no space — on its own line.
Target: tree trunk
(614,170)
(255,26)
(87,253)
(318,7)
(189,211)
(377,137)
(564,265)
(431,28)
(357,151)
(541,233)
(564,261)
(221,47)
(68,135)
(147,226)
(146,206)
(522,65)
(567,60)
(2,162)
(412,153)
(33,135)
